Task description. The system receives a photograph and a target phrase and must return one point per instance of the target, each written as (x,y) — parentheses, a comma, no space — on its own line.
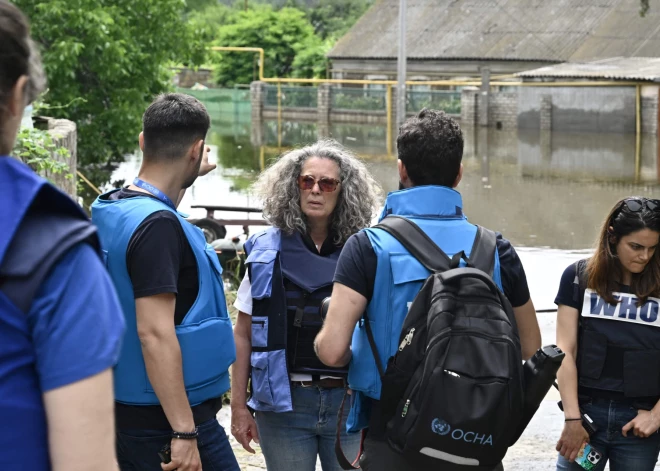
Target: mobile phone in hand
(588,457)
(165,454)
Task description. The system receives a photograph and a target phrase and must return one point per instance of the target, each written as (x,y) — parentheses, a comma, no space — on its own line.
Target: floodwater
(548,194)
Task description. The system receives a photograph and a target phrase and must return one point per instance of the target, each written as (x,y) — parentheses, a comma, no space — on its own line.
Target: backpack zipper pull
(405,408)
(407,340)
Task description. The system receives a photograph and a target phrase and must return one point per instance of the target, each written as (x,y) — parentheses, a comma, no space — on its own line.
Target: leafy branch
(37,149)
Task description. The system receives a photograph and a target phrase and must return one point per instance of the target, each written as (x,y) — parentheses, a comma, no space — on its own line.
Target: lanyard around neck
(154,191)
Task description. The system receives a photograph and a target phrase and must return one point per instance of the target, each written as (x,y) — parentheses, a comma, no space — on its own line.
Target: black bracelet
(572,420)
(185,435)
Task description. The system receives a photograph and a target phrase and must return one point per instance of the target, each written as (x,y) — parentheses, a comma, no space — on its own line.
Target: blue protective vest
(25,443)
(205,335)
(272,257)
(399,277)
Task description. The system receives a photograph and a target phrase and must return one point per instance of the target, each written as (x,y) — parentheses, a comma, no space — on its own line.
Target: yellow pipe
(279,115)
(476,83)
(84,178)
(388,102)
(260,50)
(638,133)
(262,160)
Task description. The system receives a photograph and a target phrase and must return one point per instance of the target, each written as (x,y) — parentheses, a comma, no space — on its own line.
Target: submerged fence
(361,99)
(222,100)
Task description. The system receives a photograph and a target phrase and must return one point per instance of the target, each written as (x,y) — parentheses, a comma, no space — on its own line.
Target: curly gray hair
(277,187)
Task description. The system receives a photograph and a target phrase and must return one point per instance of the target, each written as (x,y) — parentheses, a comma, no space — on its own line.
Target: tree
(282,34)
(105,61)
(334,19)
(311,61)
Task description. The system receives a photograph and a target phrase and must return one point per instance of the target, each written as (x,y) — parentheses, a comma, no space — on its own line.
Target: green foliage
(334,19)
(282,34)
(37,149)
(114,55)
(207,19)
(311,62)
(644,7)
(196,5)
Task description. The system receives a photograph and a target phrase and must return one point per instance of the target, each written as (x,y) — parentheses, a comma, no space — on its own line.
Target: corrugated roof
(533,30)
(617,68)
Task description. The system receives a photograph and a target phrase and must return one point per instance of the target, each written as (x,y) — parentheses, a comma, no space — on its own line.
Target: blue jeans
(137,450)
(629,453)
(291,441)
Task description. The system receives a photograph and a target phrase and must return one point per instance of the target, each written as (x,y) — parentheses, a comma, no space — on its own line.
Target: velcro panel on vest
(594,353)
(261,264)
(641,373)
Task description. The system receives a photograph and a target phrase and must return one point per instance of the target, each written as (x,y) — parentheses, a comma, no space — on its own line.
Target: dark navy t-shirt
(356,269)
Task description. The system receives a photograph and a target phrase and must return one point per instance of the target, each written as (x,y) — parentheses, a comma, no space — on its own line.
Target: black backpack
(452,396)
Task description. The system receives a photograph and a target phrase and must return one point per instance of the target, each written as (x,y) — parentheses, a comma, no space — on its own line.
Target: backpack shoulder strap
(482,255)
(40,241)
(416,242)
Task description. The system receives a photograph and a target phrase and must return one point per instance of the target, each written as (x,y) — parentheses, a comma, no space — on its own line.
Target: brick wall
(503,108)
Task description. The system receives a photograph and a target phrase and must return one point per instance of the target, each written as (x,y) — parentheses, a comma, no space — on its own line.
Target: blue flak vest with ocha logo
(273,256)
(619,345)
(205,335)
(438,211)
(24,436)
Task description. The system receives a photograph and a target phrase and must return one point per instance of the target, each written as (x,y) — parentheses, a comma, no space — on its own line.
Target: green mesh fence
(294,97)
(361,99)
(222,100)
(448,101)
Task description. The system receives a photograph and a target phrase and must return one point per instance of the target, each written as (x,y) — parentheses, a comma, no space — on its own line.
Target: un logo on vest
(440,427)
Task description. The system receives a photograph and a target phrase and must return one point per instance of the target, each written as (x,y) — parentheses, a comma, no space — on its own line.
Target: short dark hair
(430,145)
(172,123)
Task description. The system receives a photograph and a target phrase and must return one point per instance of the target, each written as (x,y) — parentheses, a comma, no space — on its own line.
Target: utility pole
(401,67)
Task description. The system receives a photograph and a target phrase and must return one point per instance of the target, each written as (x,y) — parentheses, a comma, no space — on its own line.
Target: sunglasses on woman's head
(327,185)
(637,204)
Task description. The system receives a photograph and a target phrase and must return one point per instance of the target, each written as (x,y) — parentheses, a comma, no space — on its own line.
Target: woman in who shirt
(608,324)
(315,198)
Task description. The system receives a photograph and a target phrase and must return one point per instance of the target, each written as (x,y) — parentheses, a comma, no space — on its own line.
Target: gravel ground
(534,450)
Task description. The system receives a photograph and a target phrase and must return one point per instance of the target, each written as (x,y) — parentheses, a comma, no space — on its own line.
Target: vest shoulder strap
(42,238)
(581,279)
(482,255)
(417,242)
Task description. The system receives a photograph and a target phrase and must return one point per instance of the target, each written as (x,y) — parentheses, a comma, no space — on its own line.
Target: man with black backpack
(450,299)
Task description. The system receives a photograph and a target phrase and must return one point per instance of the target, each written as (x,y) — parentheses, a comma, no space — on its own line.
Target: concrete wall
(433,69)
(650,115)
(186,78)
(65,135)
(579,109)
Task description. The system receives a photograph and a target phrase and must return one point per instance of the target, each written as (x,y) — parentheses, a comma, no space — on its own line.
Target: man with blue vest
(173,368)
(370,274)
(60,320)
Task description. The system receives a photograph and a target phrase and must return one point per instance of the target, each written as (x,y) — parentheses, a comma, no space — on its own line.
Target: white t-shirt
(244,304)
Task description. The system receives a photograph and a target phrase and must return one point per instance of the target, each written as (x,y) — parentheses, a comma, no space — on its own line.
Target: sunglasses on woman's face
(636,204)
(327,185)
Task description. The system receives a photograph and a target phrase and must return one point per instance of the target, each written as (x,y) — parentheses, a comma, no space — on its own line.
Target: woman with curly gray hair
(315,197)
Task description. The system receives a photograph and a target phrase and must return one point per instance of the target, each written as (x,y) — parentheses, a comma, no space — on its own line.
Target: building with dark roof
(461,38)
